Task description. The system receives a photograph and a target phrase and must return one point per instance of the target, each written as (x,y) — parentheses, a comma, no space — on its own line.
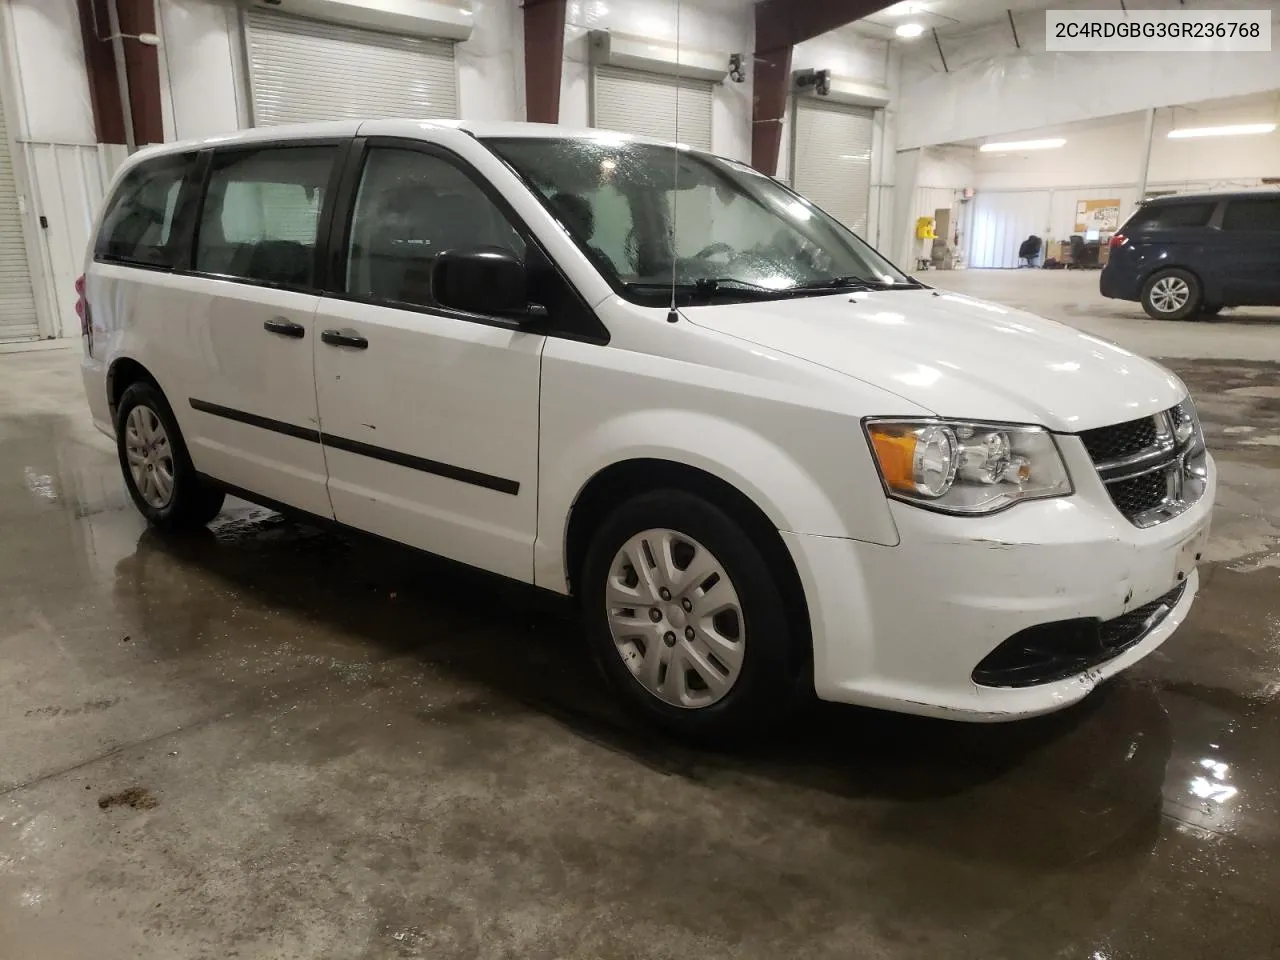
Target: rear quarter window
(141,225)
(1171,216)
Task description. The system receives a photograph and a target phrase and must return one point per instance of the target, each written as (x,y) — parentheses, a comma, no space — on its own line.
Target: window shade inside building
(17,302)
(633,101)
(304,70)
(831,159)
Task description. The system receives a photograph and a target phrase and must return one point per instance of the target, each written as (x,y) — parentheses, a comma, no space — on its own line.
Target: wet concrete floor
(275,742)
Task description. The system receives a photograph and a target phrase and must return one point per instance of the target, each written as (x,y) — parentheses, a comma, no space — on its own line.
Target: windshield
(642,210)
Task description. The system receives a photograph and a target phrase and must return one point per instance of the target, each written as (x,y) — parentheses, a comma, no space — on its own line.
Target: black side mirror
(488,280)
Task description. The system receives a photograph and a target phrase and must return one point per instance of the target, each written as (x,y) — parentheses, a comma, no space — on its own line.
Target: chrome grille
(1150,475)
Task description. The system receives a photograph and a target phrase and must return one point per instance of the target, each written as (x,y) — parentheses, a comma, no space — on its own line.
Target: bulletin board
(1100,215)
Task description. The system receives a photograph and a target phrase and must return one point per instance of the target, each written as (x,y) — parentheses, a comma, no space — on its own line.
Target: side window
(409,207)
(262,214)
(139,226)
(1171,216)
(1262,213)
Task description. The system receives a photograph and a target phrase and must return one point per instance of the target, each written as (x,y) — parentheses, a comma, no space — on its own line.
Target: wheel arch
(1159,268)
(622,480)
(123,372)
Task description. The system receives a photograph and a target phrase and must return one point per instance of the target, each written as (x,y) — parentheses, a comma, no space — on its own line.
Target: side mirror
(488,280)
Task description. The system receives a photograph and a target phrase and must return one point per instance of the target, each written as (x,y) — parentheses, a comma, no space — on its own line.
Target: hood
(958,356)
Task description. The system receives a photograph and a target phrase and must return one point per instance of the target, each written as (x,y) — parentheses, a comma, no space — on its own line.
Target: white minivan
(762,459)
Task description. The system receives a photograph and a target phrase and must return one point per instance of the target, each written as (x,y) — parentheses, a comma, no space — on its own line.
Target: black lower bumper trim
(1055,651)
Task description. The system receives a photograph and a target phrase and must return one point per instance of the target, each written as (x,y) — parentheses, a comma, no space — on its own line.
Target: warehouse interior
(274,740)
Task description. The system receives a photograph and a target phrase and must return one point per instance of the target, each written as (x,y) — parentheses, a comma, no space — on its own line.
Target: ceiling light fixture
(1015,146)
(1230,130)
(909,31)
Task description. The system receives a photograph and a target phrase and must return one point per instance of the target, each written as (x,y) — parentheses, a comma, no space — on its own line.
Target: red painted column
(770,86)
(543,59)
(780,25)
(142,68)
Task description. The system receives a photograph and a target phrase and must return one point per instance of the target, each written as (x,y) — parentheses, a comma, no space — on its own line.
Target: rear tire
(1172,294)
(157,469)
(699,642)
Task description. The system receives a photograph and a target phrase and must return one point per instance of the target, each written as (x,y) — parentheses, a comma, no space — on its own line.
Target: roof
(400,127)
(1216,194)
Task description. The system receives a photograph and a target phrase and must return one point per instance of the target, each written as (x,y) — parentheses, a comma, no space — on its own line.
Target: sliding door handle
(345,338)
(285,328)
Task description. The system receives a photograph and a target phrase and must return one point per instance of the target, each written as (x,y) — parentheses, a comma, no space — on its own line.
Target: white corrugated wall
(68,181)
(1001,221)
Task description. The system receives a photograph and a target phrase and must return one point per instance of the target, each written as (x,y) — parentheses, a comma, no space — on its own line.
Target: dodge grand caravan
(759,457)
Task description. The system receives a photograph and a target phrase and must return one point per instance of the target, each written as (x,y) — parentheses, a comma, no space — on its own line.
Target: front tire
(1172,294)
(157,469)
(686,619)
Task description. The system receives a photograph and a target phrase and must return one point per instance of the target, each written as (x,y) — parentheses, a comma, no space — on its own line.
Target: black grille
(1139,494)
(1119,440)
(1056,651)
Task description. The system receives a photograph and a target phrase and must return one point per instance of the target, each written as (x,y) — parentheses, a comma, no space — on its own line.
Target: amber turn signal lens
(896,451)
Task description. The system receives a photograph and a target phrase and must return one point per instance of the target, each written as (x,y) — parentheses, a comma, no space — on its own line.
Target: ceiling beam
(780,25)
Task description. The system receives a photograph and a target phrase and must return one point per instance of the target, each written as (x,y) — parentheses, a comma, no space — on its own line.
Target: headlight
(1186,424)
(965,467)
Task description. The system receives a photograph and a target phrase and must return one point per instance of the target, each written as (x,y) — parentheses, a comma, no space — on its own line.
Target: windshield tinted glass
(720,224)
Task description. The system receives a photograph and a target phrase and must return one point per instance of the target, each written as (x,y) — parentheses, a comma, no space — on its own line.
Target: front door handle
(285,328)
(345,338)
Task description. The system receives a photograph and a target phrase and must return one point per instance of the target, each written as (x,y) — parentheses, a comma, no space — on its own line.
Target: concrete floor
(273,742)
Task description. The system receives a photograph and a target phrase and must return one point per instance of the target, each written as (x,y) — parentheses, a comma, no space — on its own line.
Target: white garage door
(17,302)
(831,159)
(1001,221)
(304,70)
(633,101)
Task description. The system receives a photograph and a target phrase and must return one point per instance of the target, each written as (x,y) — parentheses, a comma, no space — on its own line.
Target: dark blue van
(1190,255)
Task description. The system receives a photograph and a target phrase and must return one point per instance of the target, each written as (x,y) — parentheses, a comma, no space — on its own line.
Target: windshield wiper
(837,283)
(856,283)
(710,287)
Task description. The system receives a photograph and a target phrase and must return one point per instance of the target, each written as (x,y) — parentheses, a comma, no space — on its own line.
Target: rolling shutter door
(17,300)
(304,70)
(633,101)
(831,159)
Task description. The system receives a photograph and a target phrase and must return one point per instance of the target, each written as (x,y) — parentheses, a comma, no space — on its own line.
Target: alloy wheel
(1170,294)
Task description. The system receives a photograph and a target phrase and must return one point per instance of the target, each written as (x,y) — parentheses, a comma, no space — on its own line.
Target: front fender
(762,470)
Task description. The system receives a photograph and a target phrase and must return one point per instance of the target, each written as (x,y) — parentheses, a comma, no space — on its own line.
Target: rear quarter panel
(1191,249)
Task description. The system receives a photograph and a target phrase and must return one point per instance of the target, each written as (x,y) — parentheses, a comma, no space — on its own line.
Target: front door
(251,389)
(429,415)
(1251,250)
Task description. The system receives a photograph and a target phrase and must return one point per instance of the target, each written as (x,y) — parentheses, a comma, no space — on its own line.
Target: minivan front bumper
(906,627)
